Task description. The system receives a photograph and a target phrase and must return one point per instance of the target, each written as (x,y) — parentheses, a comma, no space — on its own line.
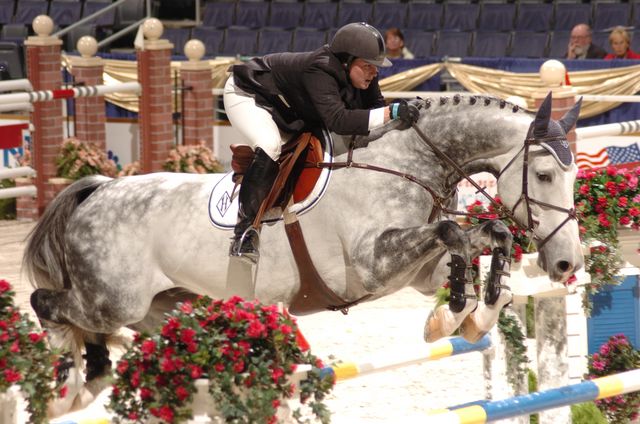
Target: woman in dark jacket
(269,97)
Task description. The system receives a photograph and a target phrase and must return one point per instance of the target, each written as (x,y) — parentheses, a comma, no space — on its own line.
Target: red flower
(187,335)
(63,392)
(15,347)
(182,393)
(167,365)
(36,337)
(634,211)
(622,201)
(285,329)
(145,393)
(602,219)
(277,374)
(517,254)
(12,376)
(256,329)
(4,286)
(186,307)
(584,189)
(122,367)
(624,220)
(135,379)
(196,371)
(611,171)
(147,348)
(238,366)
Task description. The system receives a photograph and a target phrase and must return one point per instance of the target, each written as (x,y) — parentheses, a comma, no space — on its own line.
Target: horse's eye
(544,178)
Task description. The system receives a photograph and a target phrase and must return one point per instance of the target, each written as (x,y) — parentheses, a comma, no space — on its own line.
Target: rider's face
(362,73)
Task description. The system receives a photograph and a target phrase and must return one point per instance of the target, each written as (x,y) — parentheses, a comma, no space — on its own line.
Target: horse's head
(536,181)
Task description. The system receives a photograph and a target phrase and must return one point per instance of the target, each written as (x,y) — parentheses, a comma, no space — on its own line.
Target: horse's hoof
(470,331)
(433,327)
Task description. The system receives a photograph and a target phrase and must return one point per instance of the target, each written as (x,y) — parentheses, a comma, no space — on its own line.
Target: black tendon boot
(256,184)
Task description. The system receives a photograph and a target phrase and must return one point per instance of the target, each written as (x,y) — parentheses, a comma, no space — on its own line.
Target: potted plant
(26,362)
(608,204)
(77,159)
(195,159)
(615,356)
(246,351)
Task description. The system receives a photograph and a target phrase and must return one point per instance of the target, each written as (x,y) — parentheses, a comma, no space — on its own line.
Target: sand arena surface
(392,324)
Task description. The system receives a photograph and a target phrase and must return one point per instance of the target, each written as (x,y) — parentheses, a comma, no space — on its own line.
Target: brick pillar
(43,70)
(90,111)
(553,73)
(197,108)
(155,115)
(26,207)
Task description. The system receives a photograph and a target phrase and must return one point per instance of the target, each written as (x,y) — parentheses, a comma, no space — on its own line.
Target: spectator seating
(6,11)
(558,42)
(420,43)
(285,14)
(534,17)
(218,14)
(92,6)
(65,12)
(353,12)
(602,39)
(460,16)
(497,16)
(609,15)
(240,41)
(211,37)
(388,14)
(15,33)
(320,14)
(178,37)
(529,44)
(306,39)
(453,44)
(252,14)
(490,43)
(425,16)
(129,12)
(274,40)
(27,10)
(10,53)
(568,15)
(71,38)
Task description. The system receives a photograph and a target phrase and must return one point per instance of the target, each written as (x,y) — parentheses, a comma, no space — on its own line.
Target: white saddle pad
(223,201)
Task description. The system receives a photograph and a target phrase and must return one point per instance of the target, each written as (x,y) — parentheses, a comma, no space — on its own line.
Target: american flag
(611,155)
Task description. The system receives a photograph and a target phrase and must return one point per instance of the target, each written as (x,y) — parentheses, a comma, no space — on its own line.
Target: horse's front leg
(497,294)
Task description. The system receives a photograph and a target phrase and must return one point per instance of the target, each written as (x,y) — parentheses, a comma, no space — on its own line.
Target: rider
(335,86)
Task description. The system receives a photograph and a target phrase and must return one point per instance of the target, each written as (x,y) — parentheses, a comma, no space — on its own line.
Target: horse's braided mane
(473,99)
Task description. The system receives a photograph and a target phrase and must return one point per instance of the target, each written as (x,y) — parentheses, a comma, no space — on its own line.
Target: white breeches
(254,122)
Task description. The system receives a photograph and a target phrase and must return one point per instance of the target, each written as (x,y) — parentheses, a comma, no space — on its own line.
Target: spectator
(394,40)
(580,45)
(619,40)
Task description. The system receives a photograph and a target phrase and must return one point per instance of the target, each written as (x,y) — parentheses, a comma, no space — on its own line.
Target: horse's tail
(44,259)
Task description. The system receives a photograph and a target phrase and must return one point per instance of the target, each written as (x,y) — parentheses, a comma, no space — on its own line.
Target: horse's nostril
(564,266)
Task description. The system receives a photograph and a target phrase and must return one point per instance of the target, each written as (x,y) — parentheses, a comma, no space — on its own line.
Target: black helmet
(360,40)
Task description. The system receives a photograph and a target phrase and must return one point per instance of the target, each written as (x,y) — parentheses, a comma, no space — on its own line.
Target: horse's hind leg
(445,319)
(496,294)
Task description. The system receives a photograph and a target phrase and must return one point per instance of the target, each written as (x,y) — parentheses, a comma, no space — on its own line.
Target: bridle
(441,202)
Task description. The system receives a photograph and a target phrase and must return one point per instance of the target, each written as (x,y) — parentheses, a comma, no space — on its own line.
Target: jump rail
(484,411)
(85,91)
(440,349)
(618,128)
(11,192)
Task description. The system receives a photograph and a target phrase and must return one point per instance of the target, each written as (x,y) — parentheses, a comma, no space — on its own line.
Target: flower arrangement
(195,159)
(25,358)
(77,159)
(615,356)
(605,199)
(245,349)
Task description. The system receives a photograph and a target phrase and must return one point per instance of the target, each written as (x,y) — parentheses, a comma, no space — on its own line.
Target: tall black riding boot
(256,184)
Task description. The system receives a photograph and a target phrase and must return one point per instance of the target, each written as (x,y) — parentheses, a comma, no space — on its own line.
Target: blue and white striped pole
(486,411)
(440,349)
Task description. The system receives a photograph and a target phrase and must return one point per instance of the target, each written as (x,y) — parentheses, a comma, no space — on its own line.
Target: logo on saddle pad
(223,201)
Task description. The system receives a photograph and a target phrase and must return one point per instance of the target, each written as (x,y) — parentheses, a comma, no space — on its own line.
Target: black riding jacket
(304,91)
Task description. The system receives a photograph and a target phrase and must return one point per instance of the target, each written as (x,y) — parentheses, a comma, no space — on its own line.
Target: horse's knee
(451,235)
(499,233)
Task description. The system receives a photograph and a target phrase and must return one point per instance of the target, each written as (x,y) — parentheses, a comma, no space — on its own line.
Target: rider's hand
(405,111)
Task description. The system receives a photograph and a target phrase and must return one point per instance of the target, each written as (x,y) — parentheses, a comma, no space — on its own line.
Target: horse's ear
(542,117)
(569,119)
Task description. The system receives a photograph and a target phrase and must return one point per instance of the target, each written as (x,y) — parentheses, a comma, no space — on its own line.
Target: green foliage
(7,206)
(533,387)
(531,318)
(246,350)
(516,347)
(587,413)
(25,358)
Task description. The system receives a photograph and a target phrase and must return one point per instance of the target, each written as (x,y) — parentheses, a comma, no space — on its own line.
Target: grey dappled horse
(107,252)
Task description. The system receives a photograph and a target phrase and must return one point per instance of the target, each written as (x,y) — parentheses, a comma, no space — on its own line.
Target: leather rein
(440,202)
